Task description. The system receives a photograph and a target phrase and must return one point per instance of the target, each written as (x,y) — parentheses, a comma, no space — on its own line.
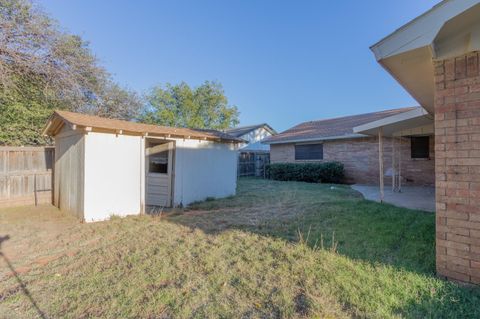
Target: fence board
(26,175)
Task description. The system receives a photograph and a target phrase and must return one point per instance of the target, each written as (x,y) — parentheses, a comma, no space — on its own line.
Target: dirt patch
(47,259)
(71,253)
(20,271)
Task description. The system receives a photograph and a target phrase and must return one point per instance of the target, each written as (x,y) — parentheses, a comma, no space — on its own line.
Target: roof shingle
(340,127)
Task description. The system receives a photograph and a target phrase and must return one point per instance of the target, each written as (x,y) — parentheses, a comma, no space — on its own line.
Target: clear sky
(281,62)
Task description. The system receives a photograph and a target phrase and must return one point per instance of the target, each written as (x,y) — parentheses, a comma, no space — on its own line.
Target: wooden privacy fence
(253,164)
(26,175)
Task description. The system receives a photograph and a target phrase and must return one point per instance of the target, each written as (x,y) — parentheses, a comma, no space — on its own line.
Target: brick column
(457,167)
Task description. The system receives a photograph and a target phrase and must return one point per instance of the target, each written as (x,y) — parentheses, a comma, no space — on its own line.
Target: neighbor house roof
(242,130)
(330,129)
(101,124)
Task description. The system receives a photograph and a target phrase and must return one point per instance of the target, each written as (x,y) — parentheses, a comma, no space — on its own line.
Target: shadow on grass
(335,216)
(22,285)
(359,229)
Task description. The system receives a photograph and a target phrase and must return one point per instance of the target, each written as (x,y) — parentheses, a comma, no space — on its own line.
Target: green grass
(276,250)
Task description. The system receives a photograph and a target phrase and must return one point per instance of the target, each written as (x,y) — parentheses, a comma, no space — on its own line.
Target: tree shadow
(358,229)
(22,285)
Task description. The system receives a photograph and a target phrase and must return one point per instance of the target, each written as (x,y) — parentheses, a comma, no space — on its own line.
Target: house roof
(449,29)
(330,129)
(405,123)
(101,124)
(242,130)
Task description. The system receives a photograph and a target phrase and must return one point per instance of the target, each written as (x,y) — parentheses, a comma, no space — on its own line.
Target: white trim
(421,31)
(391,120)
(317,139)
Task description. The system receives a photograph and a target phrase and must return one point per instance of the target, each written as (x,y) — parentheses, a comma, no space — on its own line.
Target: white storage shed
(106,167)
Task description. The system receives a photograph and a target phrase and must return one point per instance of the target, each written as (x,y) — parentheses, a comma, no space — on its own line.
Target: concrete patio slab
(413,197)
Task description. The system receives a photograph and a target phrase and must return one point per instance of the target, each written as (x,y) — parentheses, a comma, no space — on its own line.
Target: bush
(329,172)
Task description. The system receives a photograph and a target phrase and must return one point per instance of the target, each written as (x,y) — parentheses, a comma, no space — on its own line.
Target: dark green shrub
(329,172)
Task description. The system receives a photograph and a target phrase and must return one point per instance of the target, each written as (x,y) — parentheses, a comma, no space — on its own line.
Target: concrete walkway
(414,197)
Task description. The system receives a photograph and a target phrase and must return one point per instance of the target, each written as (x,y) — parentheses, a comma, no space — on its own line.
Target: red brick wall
(360,157)
(457,131)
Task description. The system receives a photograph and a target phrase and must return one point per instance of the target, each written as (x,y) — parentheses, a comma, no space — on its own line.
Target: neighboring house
(253,135)
(253,154)
(409,157)
(109,167)
(436,58)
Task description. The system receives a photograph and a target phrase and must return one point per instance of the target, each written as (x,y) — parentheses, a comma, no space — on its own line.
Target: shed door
(159,175)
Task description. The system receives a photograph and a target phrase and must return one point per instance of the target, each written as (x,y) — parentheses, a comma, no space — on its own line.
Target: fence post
(7,170)
(35,189)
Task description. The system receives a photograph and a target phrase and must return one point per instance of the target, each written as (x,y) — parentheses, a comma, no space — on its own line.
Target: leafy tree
(43,68)
(205,106)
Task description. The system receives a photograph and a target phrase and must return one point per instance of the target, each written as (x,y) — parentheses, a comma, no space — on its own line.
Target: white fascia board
(270,129)
(421,31)
(419,112)
(317,139)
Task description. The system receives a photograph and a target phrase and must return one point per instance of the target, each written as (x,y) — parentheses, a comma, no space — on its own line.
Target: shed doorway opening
(159,171)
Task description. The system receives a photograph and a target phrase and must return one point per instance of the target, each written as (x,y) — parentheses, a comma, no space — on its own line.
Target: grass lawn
(276,250)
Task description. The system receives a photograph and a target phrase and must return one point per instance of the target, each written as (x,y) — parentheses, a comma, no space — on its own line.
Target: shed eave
(56,120)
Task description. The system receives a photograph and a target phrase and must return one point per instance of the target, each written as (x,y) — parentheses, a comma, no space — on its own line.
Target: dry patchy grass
(240,257)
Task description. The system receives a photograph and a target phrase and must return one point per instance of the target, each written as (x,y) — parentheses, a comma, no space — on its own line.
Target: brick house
(436,58)
(408,155)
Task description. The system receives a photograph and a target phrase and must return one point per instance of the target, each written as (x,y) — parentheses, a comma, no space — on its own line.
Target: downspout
(400,166)
(380,162)
(394,170)
(142,175)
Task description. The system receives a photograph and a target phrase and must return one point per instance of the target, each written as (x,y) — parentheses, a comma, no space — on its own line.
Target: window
(158,163)
(306,152)
(420,146)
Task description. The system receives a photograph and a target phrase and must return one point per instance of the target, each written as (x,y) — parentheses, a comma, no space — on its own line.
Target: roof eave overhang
(421,31)
(56,122)
(408,52)
(396,123)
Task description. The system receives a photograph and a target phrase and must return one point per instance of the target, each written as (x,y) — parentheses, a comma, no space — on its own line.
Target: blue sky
(281,62)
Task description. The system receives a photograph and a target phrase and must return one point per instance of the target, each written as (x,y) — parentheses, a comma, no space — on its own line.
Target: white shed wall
(113,175)
(69,172)
(203,169)
(99,175)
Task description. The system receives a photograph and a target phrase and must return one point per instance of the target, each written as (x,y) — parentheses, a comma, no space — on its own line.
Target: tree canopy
(205,106)
(43,68)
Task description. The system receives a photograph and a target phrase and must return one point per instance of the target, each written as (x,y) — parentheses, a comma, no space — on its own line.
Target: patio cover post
(393,165)
(380,161)
(400,166)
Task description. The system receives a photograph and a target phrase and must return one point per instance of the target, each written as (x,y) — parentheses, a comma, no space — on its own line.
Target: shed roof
(242,130)
(336,128)
(97,123)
